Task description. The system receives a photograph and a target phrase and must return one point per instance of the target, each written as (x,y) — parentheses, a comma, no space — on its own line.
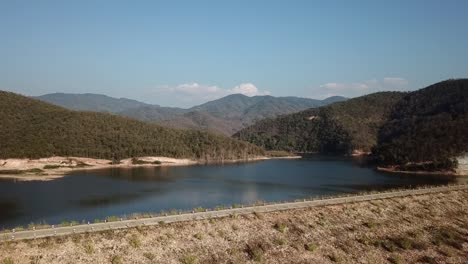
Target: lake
(89,195)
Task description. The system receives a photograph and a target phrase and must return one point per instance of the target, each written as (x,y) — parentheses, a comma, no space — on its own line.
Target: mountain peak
(225,115)
(91,102)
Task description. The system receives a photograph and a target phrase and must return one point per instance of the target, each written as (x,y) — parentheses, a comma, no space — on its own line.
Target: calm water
(96,194)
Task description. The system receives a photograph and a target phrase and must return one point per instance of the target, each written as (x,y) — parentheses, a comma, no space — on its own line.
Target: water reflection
(9,209)
(89,195)
(134,174)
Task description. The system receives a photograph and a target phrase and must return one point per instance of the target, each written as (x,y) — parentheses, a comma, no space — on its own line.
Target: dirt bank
(425,228)
(46,169)
(394,169)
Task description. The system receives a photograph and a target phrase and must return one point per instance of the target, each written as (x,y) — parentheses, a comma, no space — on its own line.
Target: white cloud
(247,89)
(346,86)
(195,89)
(354,89)
(195,93)
(332,86)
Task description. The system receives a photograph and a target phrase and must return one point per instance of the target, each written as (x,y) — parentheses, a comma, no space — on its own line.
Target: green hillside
(337,128)
(32,128)
(428,126)
(226,115)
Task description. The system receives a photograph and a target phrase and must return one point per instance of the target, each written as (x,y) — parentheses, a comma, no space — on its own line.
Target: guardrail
(96,227)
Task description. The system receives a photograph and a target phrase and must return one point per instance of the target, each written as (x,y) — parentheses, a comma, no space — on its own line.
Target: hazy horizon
(189,106)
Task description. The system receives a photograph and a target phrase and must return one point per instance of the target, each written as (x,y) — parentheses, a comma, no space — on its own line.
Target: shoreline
(420,172)
(56,167)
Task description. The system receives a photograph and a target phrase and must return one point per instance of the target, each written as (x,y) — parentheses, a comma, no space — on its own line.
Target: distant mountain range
(91,102)
(226,115)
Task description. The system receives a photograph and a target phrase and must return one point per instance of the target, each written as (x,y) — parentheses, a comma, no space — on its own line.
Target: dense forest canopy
(337,128)
(425,129)
(32,128)
(428,126)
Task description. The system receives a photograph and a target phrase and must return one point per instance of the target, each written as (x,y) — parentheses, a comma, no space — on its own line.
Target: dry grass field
(429,228)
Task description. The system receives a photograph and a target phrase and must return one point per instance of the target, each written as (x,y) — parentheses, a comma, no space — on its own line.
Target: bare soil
(46,169)
(429,228)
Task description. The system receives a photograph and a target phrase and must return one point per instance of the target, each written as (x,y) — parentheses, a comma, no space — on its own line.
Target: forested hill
(428,126)
(32,128)
(226,115)
(337,128)
(230,114)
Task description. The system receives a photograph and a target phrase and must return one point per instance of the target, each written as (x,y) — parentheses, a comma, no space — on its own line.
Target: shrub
(335,257)
(388,245)
(280,241)
(258,215)
(149,255)
(420,245)
(396,259)
(35,259)
(278,153)
(35,170)
(88,248)
(199,209)
(370,224)
(281,227)
(116,260)
(51,167)
(46,243)
(404,243)
(311,247)
(11,171)
(138,162)
(134,241)
(114,161)
(189,259)
(428,260)
(112,218)
(198,236)
(447,251)
(81,164)
(8,261)
(448,236)
(255,252)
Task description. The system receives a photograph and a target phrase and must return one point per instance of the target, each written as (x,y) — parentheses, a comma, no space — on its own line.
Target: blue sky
(181,53)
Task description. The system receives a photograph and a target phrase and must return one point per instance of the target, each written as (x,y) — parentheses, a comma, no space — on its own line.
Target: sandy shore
(46,169)
(51,168)
(430,228)
(446,172)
